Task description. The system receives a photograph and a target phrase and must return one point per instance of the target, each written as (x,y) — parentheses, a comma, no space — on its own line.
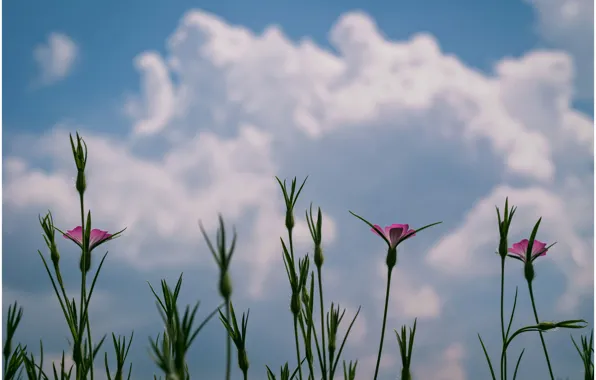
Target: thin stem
(297,345)
(83,291)
(324,364)
(291,244)
(304,336)
(384,322)
(503,335)
(228,345)
(550,370)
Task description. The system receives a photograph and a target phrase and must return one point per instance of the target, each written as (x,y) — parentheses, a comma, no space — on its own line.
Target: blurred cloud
(55,58)
(569,25)
(227,109)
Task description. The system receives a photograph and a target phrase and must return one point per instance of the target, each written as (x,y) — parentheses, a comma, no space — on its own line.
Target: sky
(403,112)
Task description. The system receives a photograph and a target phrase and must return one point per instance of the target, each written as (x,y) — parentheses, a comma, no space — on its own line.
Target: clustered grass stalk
(406,346)
(223,257)
(585,353)
(169,350)
(526,251)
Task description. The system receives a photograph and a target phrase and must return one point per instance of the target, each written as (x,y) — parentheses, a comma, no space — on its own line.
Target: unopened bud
(225,286)
(289,220)
(81,184)
(243,361)
(319,258)
(54,255)
(545,326)
(295,304)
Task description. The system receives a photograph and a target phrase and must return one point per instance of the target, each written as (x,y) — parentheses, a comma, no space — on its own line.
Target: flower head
(96,237)
(520,250)
(394,233)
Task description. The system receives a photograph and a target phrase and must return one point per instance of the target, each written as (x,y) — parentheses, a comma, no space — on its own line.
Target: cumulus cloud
(466,251)
(55,58)
(411,298)
(226,108)
(569,25)
(159,95)
(280,85)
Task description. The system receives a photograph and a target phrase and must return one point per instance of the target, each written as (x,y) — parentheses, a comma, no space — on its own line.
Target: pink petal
(410,232)
(387,231)
(519,248)
(538,248)
(378,230)
(396,232)
(97,236)
(75,234)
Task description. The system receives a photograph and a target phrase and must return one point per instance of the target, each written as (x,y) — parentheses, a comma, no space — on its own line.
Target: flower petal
(97,236)
(378,230)
(519,248)
(396,233)
(538,248)
(75,234)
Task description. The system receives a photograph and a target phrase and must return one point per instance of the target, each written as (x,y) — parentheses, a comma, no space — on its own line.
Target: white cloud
(410,298)
(280,85)
(569,24)
(468,251)
(159,95)
(55,58)
(160,202)
(449,365)
(226,103)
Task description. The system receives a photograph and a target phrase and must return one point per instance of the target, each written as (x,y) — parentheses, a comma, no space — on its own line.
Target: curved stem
(324,364)
(550,370)
(504,350)
(384,323)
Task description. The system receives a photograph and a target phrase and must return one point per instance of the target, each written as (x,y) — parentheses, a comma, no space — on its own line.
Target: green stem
(503,335)
(82,323)
(228,346)
(297,345)
(384,322)
(550,370)
(307,346)
(324,364)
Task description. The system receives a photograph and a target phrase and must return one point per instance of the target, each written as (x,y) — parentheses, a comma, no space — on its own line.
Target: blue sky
(407,112)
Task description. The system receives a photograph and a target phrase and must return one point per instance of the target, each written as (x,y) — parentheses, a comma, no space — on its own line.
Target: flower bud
(331,344)
(295,304)
(503,246)
(545,326)
(225,286)
(81,184)
(289,220)
(305,298)
(391,257)
(243,361)
(54,255)
(319,258)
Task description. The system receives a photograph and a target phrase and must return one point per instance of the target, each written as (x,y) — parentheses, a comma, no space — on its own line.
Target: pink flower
(395,233)
(96,237)
(520,250)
